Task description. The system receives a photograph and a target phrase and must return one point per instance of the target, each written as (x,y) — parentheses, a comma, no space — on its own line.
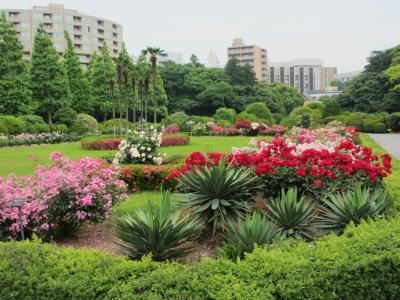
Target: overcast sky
(341,32)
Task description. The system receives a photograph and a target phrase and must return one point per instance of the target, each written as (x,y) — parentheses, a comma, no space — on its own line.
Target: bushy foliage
(168,140)
(37,139)
(331,108)
(84,124)
(261,111)
(373,126)
(65,115)
(60,198)
(394,122)
(305,120)
(34,124)
(290,121)
(157,231)
(227,114)
(101,144)
(13,124)
(246,116)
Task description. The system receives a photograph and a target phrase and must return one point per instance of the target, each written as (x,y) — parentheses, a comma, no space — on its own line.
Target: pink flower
(45,226)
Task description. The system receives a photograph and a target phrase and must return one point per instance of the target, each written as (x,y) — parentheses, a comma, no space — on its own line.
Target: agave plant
(218,193)
(158,231)
(353,206)
(241,237)
(292,214)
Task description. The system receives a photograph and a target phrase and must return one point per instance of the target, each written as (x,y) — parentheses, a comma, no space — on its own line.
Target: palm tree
(154,53)
(144,73)
(133,74)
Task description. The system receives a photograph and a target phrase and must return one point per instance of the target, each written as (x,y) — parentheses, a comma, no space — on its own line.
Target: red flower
(318,182)
(215,157)
(301,172)
(196,158)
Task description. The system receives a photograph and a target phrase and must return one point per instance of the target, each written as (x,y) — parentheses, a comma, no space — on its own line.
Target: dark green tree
(331,107)
(124,64)
(339,84)
(81,96)
(49,81)
(15,94)
(100,72)
(214,96)
(194,62)
(239,74)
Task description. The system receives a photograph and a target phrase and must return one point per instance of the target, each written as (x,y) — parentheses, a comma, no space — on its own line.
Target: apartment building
(305,75)
(252,55)
(88,33)
(212,60)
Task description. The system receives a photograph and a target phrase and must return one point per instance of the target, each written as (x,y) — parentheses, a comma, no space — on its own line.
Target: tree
(194,62)
(339,84)
(49,82)
(331,108)
(214,96)
(15,94)
(124,65)
(261,111)
(239,74)
(154,53)
(81,96)
(101,72)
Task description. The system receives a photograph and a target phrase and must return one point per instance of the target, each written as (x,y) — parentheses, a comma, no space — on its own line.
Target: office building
(170,56)
(88,33)
(212,60)
(305,75)
(252,55)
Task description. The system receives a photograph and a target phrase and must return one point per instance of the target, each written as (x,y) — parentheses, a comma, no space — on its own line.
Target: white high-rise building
(212,60)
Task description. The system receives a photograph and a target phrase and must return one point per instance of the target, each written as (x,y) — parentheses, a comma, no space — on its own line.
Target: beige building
(252,55)
(306,75)
(88,33)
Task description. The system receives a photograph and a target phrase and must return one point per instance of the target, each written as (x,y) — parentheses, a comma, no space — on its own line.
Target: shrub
(315,105)
(171,129)
(61,197)
(331,108)
(218,193)
(160,232)
(168,140)
(101,144)
(356,120)
(277,117)
(243,236)
(301,110)
(305,121)
(84,124)
(290,121)
(227,114)
(246,116)
(36,139)
(3,127)
(65,115)
(292,214)
(13,124)
(118,125)
(61,128)
(373,126)
(261,111)
(34,124)
(353,206)
(394,122)
(243,124)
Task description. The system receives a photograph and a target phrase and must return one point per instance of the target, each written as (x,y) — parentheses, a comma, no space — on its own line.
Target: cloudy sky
(341,32)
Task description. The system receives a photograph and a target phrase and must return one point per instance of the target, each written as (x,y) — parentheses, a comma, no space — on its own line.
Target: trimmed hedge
(178,139)
(364,263)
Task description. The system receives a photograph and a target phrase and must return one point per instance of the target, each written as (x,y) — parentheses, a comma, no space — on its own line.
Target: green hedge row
(364,263)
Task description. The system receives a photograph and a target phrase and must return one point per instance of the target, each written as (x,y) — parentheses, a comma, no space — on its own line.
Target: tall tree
(154,53)
(124,64)
(239,74)
(195,62)
(100,72)
(49,82)
(81,96)
(15,93)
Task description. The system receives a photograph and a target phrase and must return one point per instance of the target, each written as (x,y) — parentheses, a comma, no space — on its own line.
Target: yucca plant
(218,193)
(353,206)
(292,214)
(158,231)
(243,235)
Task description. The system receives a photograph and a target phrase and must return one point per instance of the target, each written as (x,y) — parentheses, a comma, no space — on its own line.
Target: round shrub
(226,114)
(13,124)
(277,117)
(65,115)
(373,126)
(84,124)
(246,116)
(305,120)
(301,110)
(356,120)
(3,128)
(61,128)
(261,111)
(315,105)
(290,121)
(393,122)
(331,108)
(34,124)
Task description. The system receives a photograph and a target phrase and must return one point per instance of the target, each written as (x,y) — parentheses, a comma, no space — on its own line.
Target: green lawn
(22,160)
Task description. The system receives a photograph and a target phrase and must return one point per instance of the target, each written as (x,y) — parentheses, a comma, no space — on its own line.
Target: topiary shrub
(3,128)
(261,111)
(277,117)
(315,105)
(373,126)
(34,124)
(393,121)
(301,110)
(290,121)
(356,120)
(13,124)
(246,116)
(225,114)
(305,120)
(65,115)
(84,124)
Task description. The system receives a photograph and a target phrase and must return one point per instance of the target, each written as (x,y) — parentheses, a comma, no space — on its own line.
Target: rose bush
(36,139)
(61,197)
(168,140)
(104,144)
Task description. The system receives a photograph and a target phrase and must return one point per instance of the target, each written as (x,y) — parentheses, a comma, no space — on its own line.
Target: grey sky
(342,32)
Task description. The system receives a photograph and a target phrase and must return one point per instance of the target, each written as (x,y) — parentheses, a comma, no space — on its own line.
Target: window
(100,40)
(13,14)
(17,24)
(115,43)
(77,19)
(48,26)
(115,34)
(59,45)
(57,17)
(100,31)
(100,23)
(77,46)
(26,53)
(47,16)
(51,34)
(77,28)
(77,37)
(114,26)
(115,51)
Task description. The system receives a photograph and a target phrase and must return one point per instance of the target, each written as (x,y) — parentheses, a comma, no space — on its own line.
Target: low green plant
(218,193)
(292,214)
(242,236)
(34,124)
(353,206)
(13,124)
(157,231)
(84,124)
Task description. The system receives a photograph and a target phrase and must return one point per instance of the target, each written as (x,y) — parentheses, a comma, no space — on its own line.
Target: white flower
(153,138)
(150,156)
(144,159)
(142,148)
(148,149)
(254,125)
(143,154)
(134,152)
(115,161)
(151,127)
(158,160)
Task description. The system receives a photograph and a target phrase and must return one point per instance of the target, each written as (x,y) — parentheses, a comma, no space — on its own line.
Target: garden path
(389,141)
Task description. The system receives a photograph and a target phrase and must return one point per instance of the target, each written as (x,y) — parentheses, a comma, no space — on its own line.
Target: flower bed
(103,144)
(60,197)
(36,139)
(168,140)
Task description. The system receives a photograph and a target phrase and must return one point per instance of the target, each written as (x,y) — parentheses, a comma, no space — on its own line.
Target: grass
(22,160)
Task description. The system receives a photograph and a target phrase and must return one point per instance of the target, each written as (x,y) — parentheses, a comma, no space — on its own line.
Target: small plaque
(18,202)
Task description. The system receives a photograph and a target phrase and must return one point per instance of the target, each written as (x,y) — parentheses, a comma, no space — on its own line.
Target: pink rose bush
(61,197)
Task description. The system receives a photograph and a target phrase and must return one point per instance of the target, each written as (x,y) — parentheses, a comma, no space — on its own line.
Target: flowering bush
(38,138)
(106,144)
(243,124)
(171,129)
(61,197)
(168,140)
(273,130)
(140,148)
(215,129)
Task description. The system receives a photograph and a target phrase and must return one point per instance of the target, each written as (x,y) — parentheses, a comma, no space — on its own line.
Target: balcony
(77,28)
(13,15)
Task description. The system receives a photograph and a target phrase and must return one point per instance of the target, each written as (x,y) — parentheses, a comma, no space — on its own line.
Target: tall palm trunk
(146,91)
(141,98)
(113,102)
(133,99)
(154,73)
